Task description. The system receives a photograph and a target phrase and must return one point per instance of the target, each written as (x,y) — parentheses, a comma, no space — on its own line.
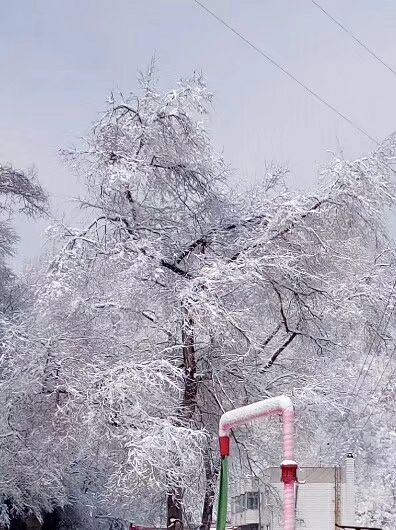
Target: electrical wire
(360,432)
(364,371)
(356,39)
(373,390)
(356,389)
(378,399)
(289,74)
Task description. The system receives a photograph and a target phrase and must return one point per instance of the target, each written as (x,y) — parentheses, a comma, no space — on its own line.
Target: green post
(223,496)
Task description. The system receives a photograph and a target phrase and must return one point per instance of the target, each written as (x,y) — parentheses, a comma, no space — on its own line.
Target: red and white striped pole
(289,470)
(283,406)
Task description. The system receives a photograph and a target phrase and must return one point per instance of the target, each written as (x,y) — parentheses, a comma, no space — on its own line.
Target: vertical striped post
(224,442)
(223,495)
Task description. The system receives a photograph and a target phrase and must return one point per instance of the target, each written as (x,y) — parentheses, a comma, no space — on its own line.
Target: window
(243,502)
(252,500)
(250,527)
(238,507)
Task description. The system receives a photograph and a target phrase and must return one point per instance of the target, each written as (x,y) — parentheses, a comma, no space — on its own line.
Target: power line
(288,73)
(357,387)
(373,390)
(356,39)
(391,357)
(391,376)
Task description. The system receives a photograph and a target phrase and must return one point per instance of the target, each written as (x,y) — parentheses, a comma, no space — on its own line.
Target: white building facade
(325,496)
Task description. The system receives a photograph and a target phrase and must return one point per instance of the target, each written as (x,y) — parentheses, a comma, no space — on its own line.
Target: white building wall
(348,492)
(315,506)
(316,495)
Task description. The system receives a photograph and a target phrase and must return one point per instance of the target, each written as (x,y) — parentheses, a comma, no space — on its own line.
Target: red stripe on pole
(224,442)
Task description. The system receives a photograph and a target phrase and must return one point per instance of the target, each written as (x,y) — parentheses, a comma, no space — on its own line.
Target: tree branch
(278,351)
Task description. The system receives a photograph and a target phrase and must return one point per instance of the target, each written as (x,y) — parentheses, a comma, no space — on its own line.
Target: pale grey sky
(59,59)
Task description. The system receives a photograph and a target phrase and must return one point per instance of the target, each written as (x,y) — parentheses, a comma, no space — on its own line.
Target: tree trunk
(210,490)
(175,497)
(175,509)
(207,510)
(28,522)
(190,366)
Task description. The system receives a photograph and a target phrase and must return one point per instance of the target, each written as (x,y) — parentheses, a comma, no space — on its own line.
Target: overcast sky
(59,59)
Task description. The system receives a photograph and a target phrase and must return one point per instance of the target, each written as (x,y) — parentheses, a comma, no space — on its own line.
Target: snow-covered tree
(186,295)
(19,192)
